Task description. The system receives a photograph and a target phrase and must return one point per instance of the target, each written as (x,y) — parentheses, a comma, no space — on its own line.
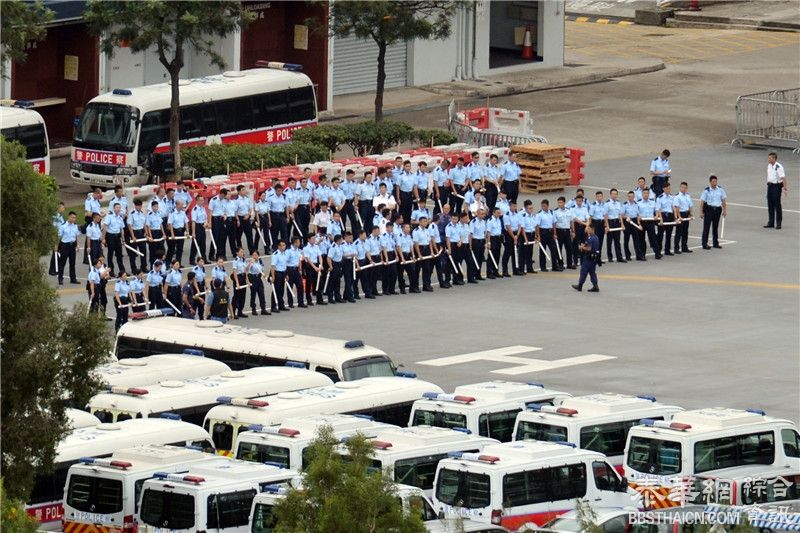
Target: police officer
(200,284)
(138,301)
(239,279)
(188,294)
(93,286)
(564,232)
(441,185)
(591,252)
(303,196)
(154,230)
(665,213)
(94,234)
(545,228)
(218,219)
(375,254)
(776,184)
(218,272)
(641,185)
(597,212)
(458,185)
(364,272)
(423,180)
(511,174)
(389,253)
(58,220)
(348,267)
(660,172)
(528,229)
(683,212)
(137,239)
(278,216)
(176,223)
(154,282)
(494,231)
(122,298)
(713,205)
(477,246)
(335,257)
(113,225)
(364,193)
(613,226)
(68,233)
(198,226)
(492,176)
(405,256)
(630,216)
(580,219)
(182,193)
(348,186)
(424,252)
(312,269)
(218,306)
(255,277)
(455,250)
(646,220)
(172,285)
(244,219)
(230,206)
(407,187)
(294,256)
(436,230)
(119,198)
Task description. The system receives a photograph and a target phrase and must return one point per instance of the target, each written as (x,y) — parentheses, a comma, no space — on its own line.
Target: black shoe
(599,263)
(61,282)
(253,312)
(428,289)
(351,300)
(393,293)
(369,296)
(717,246)
(285,309)
(544,270)
(577,288)
(415,291)
(75,282)
(610,260)
(446,286)
(357,297)
(572,267)
(687,251)
(668,253)
(594,289)
(559,269)
(770,226)
(263,312)
(402,291)
(491,276)
(778,226)
(302,306)
(340,300)
(627,258)
(623,261)
(322,303)
(641,259)
(678,252)
(658,256)
(473,281)
(459,283)
(480,278)
(274,310)
(706,247)
(242,315)
(506,275)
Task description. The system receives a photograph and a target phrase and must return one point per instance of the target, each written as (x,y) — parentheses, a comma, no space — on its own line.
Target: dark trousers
(257,292)
(175,246)
(459,256)
(547,242)
(389,274)
(199,303)
(633,233)
(491,196)
(365,276)
(527,251)
(334,290)
(665,233)
(406,206)
(711,222)
(580,236)
(114,246)
(348,212)
(649,231)
(174,296)
(96,250)
(511,253)
(441,197)
(409,269)
(94,301)
(239,294)
(588,267)
(442,266)
(493,261)
(455,202)
(600,231)
(512,190)
(279,228)
(349,278)
(155,296)
(375,274)
(425,266)
(67,252)
(565,242)
(230,236)
(219,234)
(245,230)
(302,215)
(155,248)
(682,233)
(367,213)
(142,247)
(311,284)
(774,209)
(263,229)
(294,279)
(475,256)
(658,185)
(122,313)
(278,288)
(199,237)
(613,240)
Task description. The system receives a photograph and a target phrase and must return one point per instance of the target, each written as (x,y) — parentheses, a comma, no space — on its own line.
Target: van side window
(791,442)
(604,476)
(229,510)
(727,452)
(608,439)
(498,426)
(329,372)
(525,488)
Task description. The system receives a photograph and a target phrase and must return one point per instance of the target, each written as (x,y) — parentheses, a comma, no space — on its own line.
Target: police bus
(659,453)
(118,132)
(106,491)
(597,422)
(241,347)
(488,409)
(101,441)
(80,419)
(148,370)
(385,399)
(190,399)
(26,126)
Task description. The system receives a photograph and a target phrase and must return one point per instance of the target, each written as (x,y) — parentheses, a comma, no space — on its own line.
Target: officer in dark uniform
(591,254)
(218,304)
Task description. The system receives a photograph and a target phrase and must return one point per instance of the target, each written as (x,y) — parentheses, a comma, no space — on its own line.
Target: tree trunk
(175,115)
(381,81)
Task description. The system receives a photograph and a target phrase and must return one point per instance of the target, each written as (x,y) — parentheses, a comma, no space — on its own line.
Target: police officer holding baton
(591,253)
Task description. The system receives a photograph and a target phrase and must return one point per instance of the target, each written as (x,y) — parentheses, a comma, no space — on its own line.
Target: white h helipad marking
(522,365)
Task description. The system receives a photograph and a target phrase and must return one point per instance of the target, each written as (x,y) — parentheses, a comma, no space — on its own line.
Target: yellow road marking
(625,23)
(602,21)
(693,281)
(582,19)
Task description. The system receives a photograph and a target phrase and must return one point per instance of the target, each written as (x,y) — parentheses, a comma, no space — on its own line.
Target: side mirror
(623,484)
(440,515)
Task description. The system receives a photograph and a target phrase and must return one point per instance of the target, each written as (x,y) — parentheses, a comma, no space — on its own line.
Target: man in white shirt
(321,219)
(776,183)
(385,198)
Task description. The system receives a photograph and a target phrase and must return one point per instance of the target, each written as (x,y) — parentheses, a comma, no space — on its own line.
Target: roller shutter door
(355,65)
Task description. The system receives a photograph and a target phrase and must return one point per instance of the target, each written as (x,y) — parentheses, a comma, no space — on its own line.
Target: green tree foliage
(13,516)
(46,352)
(388,22)
(212,159)
(168,27)
(342,495)
(20,23)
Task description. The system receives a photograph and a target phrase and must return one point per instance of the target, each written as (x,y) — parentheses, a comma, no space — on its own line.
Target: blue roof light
(193,351)
(295,364)
(122,92)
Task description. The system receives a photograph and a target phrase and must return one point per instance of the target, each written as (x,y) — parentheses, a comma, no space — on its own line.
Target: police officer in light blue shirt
(335,257)
(564,232)
(348,187)
(660,172)
(294,255)
(511,174)
(389,253)
(630,215)
(94,232)
(137,238)
(119,198)
(647,213)
(713,205)
(422,178)
(182,194)
(459,177)
(494,227)
(122,298)
(92,205)
(154,282)
(113,224)
(244,215)
(683,212)
(405,247)
(545,225)
(492,173)
(176,223)
(67,247)
(598,210)
(239,277)
(503,203)
(312,267)
(418,213)
(477,244)
(441,185)
(614,226)
(665,212)
(200,283)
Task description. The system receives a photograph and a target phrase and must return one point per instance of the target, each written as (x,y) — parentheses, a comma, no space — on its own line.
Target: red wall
(42,76)
(271,37)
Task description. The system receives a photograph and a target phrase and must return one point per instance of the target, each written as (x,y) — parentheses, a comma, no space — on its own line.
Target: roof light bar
(274,489)
(133,391)
(463,430)
(274,463)
(756,411)
(153,313)
(678,426)
(170,416)
(448,397)
(193,351)
(113,463)
(381,444)
(565,443)
(535,384)
(295,67)
(470,456)
(122,92)
(405,374)
(273,430)
(647,397)
(23,103)
(295,364)
(166,476)
(541,408)
(242,402)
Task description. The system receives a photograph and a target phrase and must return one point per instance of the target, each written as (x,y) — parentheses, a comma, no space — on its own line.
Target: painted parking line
(539,365)
(496,354)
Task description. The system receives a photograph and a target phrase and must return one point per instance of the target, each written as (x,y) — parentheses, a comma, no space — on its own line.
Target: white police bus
(148,370)
(241,347)
(26,126)
(119,131)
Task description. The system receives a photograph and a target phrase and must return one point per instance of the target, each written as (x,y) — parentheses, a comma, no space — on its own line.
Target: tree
(342,495)
(388,22)
(46,353)
(20,23)
(13,515)
(168,27)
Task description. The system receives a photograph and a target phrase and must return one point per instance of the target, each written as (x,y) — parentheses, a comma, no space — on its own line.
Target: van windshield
(106,126)
(369,367)
(94,494)
(32,137)
(527,430)
(654,456)
(168,510)
(439,419)
(463,489)
(222,434)
(261,453)
(264,519)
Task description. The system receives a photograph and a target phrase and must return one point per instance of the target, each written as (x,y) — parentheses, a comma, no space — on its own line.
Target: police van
(101,441)
(155,368)
(526,482)
(240,347)
(412,454)
(286,444)
(745,485)
(488,409)
(106,491)
(214,496)
(386,399)
(264,520)
(19,122)
(80,419)
(597,422)
(659,452)
(190,399)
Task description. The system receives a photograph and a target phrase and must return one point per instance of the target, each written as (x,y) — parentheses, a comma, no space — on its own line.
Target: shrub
(423,137)
(331,136)
(375,138)
(220,158)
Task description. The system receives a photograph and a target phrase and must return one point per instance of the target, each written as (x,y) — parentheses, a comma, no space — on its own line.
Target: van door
(609,491)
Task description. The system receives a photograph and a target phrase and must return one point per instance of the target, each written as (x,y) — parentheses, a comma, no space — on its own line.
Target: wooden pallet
(540,149)
(557,163)
(543,172)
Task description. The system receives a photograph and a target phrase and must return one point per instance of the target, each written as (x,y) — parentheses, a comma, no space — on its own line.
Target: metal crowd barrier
(770,118)
(475,136)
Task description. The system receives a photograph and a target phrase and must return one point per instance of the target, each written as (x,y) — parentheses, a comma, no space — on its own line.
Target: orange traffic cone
(527,47)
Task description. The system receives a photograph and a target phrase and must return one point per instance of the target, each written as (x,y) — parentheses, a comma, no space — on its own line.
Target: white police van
(105,492)
(155,368)
(286,444)
(192,398)
(694,442)
(488,409)
(412,454)
(597,422)
(385,399)
(241,347)
(80,419)
(206,497)
(526,483)
(100,441)
(263,519)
